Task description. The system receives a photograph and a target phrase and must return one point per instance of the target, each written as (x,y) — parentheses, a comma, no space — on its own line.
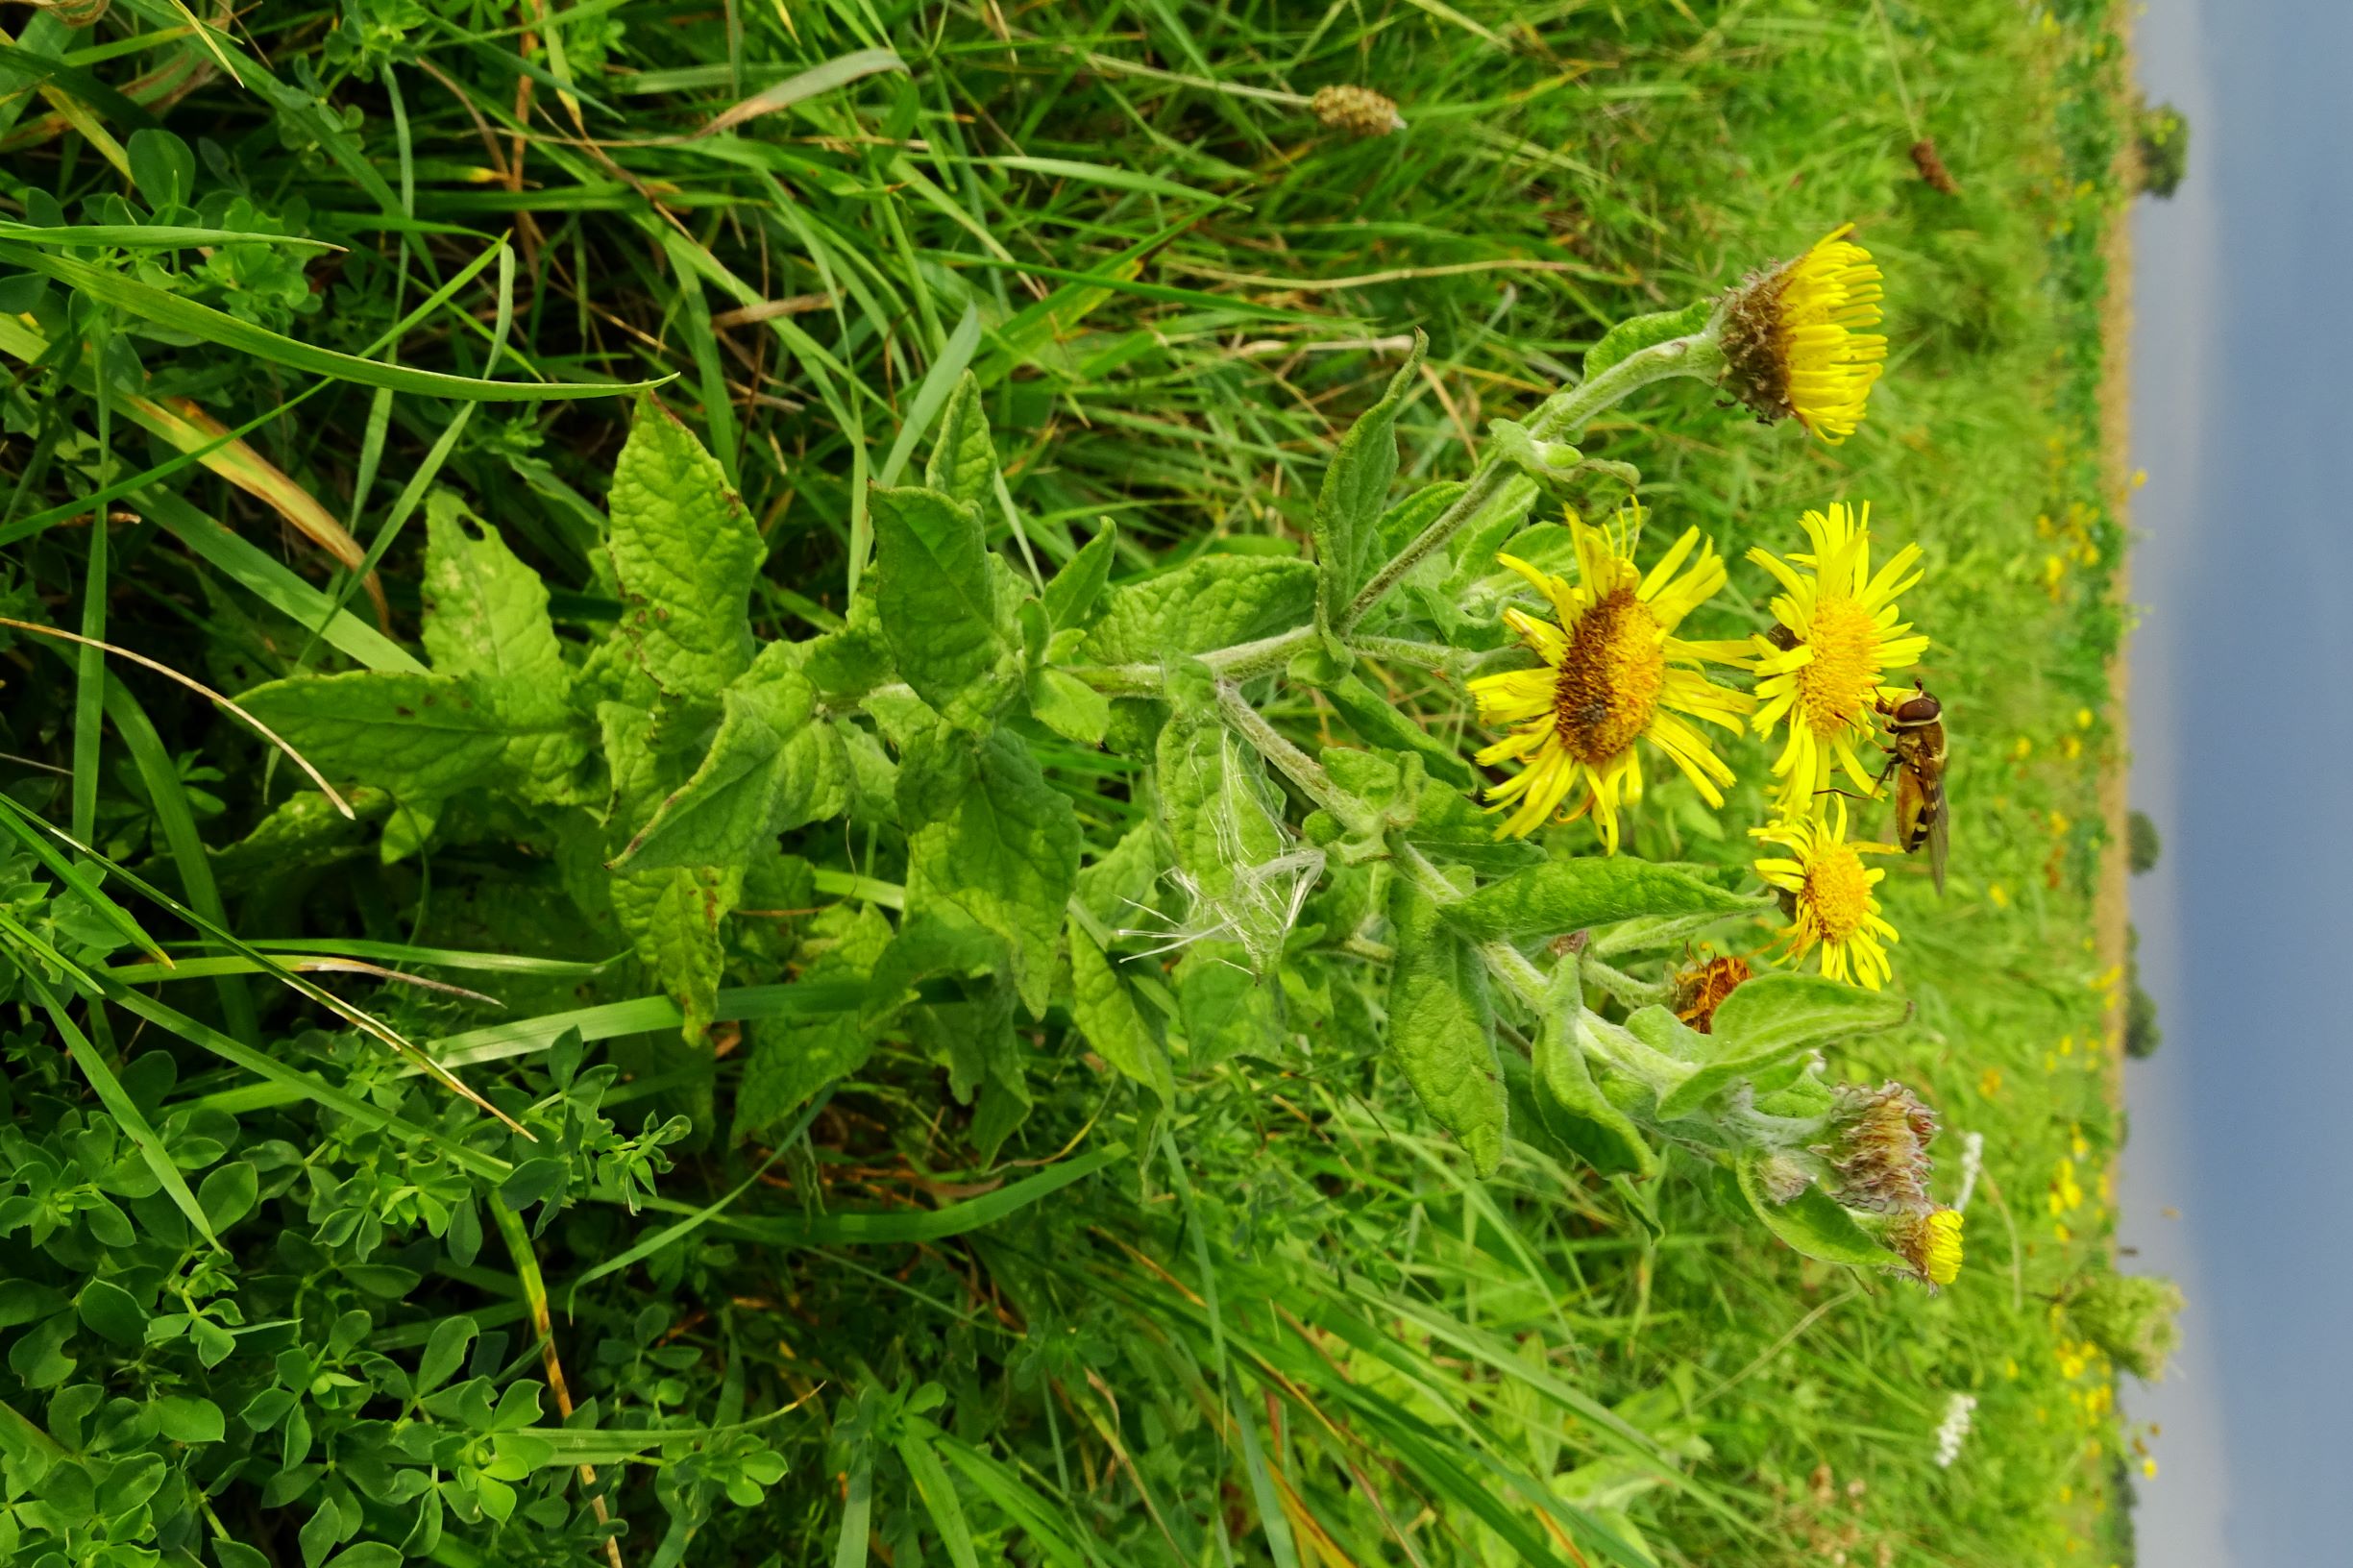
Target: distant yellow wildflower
(1838,636)
(1826,890)
(1613,672)
(1796,339)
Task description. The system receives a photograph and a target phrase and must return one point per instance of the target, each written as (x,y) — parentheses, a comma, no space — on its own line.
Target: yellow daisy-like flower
(1931,1244)
(1796,342)
(1841,636)
(1614,672)
(1827,890)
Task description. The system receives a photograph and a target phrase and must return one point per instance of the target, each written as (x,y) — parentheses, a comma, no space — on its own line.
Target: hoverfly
(1916,725)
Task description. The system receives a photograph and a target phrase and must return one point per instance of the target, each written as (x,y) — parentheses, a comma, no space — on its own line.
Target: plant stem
(518,1241)
(1296,765)
(1563,414)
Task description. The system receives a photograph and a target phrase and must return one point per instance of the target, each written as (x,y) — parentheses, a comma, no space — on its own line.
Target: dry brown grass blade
(186,425)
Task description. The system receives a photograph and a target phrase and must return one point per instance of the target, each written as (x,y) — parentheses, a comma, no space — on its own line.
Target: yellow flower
(1828,891)
(1797,340)
(1931,1244)
(1613,672)
(1843,636)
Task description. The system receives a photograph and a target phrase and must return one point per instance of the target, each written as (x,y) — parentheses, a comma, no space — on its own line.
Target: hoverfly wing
(1939,836)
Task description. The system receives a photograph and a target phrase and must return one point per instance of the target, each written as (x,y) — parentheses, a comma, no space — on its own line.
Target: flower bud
(1930,1245)
(1360,112)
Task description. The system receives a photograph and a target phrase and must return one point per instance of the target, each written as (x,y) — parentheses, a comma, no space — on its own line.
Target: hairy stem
(1563,415)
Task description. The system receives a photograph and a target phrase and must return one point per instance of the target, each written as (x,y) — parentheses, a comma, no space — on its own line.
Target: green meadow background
(1176,286)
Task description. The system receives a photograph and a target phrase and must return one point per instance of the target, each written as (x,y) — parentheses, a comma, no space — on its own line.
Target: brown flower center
(1609,679)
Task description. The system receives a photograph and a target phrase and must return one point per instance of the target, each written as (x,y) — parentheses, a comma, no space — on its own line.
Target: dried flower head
(1700,989)
(1360,112)
(1797,343)
(1931,167)
(1880,1148)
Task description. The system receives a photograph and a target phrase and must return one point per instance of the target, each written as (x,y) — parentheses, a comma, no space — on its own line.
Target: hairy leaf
(1442,1027)
(1205,603)
(962,458)
(1072,597)
(1104,1008)
(1559,1102)
(487,617)
(684,551)
(990,838)
(1638,332)
(1593,889)
(796,1055)
(417,736)
(1813,1222)
(1228,1009)
(671,919)
(1354,493)
(938,603)
(772,766)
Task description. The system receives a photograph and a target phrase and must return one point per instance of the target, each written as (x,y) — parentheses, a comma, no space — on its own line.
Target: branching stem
(1563,415)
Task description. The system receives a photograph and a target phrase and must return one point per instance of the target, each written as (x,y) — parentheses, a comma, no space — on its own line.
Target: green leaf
(445,1352)
(684,553)
(989,838)
(1070,597)
(671,919)
(1068,706)
(1783,1019)
(112,1312)
(1442,1027)
(1571,895)
(1104,1007)
(1374,716)
(977,1040)
(937,1491)
(1559,1102)
(188,1419)
(1441,821)
(420,736)
(772,766)
(1813,1222)
(162,167)
(300,833)
(228,1193)
(1636,333)
(794,1057)
(486,620)
(1229,1010)
(1540,460)
(1220,811)
(1356,491)
(1403,524)
(1209,603)
(938,603)
(963,460)
(1774,1011)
